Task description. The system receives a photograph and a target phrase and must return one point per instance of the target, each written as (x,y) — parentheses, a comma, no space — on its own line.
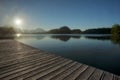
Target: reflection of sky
(49,14)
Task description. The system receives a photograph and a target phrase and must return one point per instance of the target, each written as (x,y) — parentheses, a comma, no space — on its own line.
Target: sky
(49,14)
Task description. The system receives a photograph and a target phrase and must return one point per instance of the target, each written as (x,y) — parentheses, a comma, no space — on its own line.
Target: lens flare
(18,35)
(18,21)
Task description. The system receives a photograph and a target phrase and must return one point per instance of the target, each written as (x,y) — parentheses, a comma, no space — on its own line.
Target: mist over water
(100,51)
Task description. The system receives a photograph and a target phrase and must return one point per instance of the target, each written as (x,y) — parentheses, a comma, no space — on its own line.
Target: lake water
(101,51)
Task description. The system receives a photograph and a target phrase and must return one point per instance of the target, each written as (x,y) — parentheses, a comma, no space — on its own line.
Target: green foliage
(115,29)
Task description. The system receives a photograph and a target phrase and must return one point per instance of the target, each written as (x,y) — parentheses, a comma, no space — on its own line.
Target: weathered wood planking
(22,62)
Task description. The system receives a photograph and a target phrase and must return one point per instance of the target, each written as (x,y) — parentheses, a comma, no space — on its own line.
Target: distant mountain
(38,30)
(32,31)
(64,30)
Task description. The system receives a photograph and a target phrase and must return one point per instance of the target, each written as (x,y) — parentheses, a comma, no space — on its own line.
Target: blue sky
(49,14)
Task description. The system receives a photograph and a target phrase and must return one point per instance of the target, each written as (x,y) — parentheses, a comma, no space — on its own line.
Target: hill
(64,30)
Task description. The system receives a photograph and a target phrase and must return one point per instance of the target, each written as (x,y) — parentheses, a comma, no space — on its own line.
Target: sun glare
(18,21)
(18,35)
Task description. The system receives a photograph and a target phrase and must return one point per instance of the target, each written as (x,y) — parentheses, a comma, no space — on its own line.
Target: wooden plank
(24,64)
(67,72)
(76,73)
(86,74)
(96,75)
(32,67)
(32,71)
(108,76)
(9,65)
(20,59)
(46,71)
(14,54)
(56,72)
(115,77)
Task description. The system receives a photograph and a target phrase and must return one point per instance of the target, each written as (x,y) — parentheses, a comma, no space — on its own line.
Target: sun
(18,21)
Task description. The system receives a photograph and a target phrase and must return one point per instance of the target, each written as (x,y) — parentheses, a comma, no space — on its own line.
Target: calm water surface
(101,51)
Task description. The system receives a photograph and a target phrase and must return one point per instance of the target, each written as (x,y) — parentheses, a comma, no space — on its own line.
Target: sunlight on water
(18,35)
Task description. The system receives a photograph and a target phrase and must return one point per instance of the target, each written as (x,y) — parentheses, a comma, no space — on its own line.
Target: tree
(76,31)
(7,30)
(98,31)
(61,30)
(115,29)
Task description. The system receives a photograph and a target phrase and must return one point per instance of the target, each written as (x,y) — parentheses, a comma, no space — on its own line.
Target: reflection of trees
(62,38)
(115,39)
(39,37)
(65,38)
(76,37)
(98,37)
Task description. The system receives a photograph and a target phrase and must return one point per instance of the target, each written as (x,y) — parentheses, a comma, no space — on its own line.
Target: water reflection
(98,37)
(76,37)
(65,38)
(101,51)
(115,39)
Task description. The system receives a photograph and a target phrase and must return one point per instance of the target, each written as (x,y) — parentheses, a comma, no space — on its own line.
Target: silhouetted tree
(98,31)
(115,29)
(62,30)
(7,30)
(76,31)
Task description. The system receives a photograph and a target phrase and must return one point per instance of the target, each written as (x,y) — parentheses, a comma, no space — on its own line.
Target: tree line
(115,30)
(7,30)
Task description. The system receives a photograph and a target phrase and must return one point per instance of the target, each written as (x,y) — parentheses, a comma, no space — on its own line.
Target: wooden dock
(21,62)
